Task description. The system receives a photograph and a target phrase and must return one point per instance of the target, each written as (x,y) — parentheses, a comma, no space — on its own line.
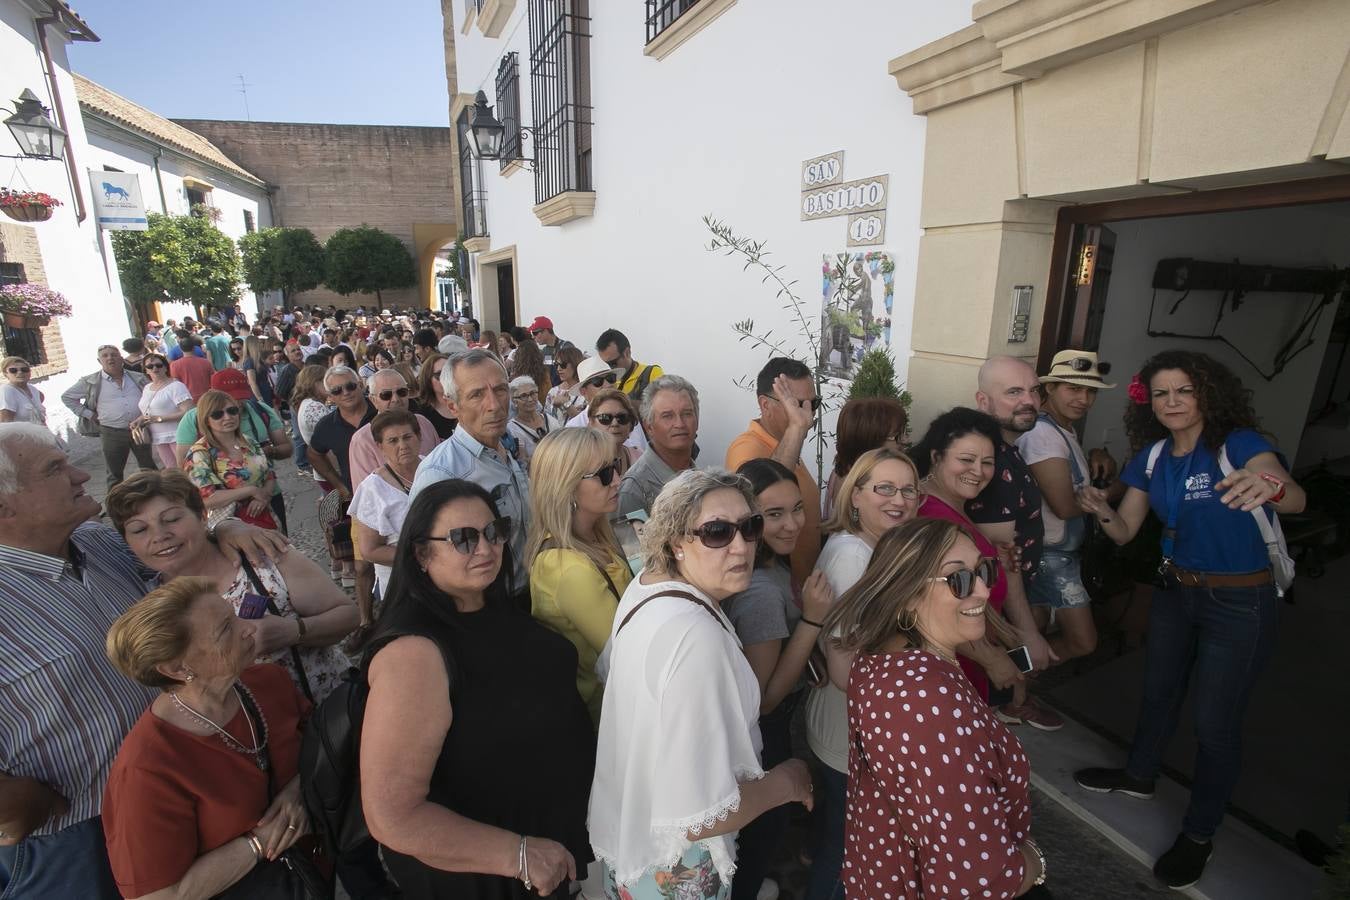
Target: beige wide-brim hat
(1078,367)
(592,366)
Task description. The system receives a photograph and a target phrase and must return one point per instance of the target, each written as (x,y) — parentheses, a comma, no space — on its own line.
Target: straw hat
(1078,367)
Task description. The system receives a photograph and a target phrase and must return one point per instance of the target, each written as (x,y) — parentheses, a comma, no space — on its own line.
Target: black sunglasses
(15,370)
(465,539)
(962,581)
(614,418)
(148,367)
(386,396)
(218,414)
(600,380)
(718,534)
(814,401)
(1083,364)
(341,389)
(605,473)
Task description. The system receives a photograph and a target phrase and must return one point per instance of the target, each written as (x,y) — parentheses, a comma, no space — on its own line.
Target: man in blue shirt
(218,347)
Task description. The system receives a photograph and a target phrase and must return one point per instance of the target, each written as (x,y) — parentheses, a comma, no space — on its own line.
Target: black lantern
(487,131)
(37,135)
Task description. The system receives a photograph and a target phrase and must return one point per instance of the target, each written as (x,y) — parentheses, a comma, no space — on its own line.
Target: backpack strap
(683,595)
(1153,453)
(1263,523)
(272,608)
(644,378)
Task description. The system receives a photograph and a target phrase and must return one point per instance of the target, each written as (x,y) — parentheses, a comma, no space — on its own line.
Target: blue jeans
(832,795)
(1220,638)
(71,863)
(301,451)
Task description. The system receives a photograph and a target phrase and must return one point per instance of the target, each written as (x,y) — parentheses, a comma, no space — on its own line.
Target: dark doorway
(506,296)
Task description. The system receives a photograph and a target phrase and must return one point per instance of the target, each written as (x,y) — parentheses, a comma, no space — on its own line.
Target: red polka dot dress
(938,799)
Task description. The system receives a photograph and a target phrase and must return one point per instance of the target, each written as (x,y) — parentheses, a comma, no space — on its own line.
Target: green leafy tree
(367,260)
(180,258)
(289,260)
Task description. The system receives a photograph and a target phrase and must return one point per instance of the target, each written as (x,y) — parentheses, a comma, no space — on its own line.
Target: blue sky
(341,61)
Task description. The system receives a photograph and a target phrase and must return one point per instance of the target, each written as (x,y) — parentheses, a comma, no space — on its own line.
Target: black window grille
(249,225)
(473,205)
(560,88)
(508,106)
(661,14)
(25,342)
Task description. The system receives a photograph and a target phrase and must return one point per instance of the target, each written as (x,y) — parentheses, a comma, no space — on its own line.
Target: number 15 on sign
(866,229)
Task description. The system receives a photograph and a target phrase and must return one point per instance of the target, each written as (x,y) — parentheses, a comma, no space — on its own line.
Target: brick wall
(19,244)
(328,177)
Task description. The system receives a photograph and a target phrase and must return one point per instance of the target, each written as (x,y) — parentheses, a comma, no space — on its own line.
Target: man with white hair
(330,444)
(480,398)
(670,417)
(388,389)
(64,709)
(106,403)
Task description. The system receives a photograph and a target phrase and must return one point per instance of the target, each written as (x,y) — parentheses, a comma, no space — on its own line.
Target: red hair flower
(1138,390)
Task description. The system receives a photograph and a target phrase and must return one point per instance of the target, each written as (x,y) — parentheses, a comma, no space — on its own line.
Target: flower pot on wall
(28,212)
(37,321)
(15,320)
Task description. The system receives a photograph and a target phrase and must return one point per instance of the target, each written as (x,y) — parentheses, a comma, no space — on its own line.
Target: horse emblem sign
(117,200)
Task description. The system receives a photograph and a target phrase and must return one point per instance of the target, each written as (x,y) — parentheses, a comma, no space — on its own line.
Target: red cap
(232,382)
(540,323)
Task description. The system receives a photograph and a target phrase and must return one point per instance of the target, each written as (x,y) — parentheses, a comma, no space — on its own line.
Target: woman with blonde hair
(613,412)
(880,492)
(926,592)
(229,468)
(577,570)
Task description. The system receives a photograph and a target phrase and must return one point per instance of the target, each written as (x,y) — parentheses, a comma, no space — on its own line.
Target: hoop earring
(907,620)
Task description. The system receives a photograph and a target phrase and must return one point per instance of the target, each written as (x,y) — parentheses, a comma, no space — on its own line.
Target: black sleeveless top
(520,752)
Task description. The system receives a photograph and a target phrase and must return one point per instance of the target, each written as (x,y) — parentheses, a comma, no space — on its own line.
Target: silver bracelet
(523,873)
(255,843)
(1036,848)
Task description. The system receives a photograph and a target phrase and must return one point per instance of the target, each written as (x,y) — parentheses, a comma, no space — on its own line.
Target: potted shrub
(27,206)
(31,305)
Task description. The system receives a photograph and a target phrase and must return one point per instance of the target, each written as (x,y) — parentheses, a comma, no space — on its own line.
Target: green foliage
(180,258)
(460,278)
(875,377)
(289,260)
(367,260)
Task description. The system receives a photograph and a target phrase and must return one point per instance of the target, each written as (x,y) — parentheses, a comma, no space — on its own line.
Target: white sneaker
(768,890)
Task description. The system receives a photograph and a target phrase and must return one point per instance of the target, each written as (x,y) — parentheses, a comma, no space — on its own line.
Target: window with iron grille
(25,342)
(508,106)
(661,14)
(560,88)
(473,203)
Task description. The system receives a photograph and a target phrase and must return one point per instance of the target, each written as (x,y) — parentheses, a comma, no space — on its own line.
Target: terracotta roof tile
(100,101)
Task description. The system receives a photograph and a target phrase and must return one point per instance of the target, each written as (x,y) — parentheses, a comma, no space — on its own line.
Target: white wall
(1307,236)
(70,249)
(719,127)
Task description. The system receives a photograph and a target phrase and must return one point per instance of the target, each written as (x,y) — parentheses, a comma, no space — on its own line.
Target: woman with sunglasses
(564,399)
(880,492)
(528,423)
(19,400)
(778,623)
(678,770)
(230,469)
(455,783)
(236,348)
(613,412)
(577,570)
(943,759)
(163,403)
(956,458)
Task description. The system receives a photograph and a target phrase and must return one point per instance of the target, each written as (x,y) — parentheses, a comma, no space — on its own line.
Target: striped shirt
(64,708)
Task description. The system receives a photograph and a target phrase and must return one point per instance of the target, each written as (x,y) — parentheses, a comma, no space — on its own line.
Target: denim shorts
(1058,582)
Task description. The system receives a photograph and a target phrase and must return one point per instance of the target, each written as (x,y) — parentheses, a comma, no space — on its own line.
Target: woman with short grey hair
(528,423)
(677,768)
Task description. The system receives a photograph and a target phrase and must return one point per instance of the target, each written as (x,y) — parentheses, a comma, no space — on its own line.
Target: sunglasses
(718,534)
(148,367)
(349,387)
(15,370)
(605,473)
(466,539)
(386,396)
(814,401)
(886,489)
(1083,364)
(218,414)
(601,380)
(614,418)
(962,581)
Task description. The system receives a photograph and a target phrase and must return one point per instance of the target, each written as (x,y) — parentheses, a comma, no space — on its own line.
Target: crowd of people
(542,696)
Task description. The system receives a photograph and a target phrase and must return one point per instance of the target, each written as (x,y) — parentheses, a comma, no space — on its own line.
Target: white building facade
(635,130)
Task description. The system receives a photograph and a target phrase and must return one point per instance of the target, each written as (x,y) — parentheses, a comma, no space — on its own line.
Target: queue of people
(475,500)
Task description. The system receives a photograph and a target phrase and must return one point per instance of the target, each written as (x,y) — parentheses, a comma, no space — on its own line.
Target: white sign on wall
(117,201)
(863,195)
(823,170)
(867,229)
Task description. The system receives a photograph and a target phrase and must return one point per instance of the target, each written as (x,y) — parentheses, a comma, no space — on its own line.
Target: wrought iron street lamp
(487,131)
(34,131)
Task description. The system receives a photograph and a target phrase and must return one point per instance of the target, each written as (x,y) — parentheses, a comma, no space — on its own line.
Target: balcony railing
(661,14)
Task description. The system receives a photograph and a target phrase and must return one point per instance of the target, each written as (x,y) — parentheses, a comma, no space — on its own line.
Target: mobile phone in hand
(252,606)
(1021,657)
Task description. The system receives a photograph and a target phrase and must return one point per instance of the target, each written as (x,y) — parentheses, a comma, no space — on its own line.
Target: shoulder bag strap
(1079,479)
(1153,453)
(1263,524)
(682,594)
(272,608)
(550,544)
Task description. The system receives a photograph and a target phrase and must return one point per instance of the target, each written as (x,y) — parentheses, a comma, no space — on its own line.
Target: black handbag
(291,876)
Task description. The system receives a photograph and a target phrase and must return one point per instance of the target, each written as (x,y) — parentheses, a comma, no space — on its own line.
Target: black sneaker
(1106,781)
(1183,865)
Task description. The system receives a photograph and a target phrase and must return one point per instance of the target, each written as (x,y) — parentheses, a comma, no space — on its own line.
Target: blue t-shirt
(1210,536)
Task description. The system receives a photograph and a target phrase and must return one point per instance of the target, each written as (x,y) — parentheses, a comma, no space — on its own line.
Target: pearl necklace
(259,749)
